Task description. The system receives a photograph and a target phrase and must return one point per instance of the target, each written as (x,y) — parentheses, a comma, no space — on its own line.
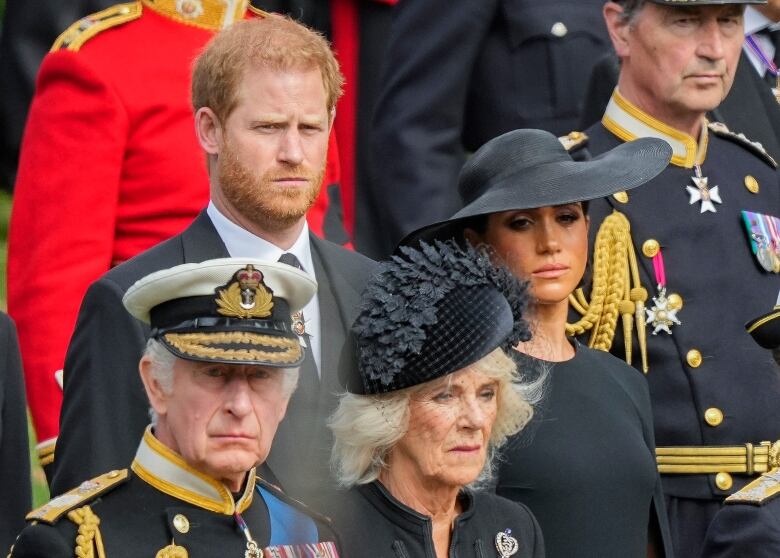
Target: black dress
(370,522)
(588,473)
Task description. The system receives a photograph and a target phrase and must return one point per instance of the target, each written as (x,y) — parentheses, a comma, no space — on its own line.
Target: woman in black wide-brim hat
(588,472)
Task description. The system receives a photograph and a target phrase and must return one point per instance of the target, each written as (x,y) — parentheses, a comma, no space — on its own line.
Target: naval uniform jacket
(109,167)
(105,408)
(371,522)
(749,523)
(162,503)
(710,383)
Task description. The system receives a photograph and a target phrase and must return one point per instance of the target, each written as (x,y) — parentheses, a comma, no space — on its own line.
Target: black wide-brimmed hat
(765,329)
(429,312)
(228,310)
(525,169)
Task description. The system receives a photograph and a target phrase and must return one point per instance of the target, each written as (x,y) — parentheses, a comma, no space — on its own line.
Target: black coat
(370,522)
(585,465)
(14,448)
(105,409)
(457,74)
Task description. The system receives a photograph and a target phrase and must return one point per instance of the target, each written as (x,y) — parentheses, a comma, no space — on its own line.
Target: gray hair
(631,9)
(366,427)
(161,361)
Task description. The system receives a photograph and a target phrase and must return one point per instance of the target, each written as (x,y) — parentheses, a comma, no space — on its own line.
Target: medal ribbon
(754,46)
(659,269)
(252,549)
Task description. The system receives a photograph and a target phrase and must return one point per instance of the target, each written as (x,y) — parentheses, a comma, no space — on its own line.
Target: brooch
(506,544)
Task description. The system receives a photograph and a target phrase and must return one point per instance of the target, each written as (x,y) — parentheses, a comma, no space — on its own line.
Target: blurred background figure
(14,450)
(450,84)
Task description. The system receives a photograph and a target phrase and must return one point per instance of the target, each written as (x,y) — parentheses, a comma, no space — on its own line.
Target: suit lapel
(200,241)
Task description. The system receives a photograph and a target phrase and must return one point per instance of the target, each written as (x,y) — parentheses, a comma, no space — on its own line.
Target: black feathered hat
(429,312)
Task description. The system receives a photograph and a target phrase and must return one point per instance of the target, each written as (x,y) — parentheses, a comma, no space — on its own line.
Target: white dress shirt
(242,243)
(755,21)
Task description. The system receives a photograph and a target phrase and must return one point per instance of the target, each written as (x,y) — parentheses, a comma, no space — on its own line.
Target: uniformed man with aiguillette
(689,259)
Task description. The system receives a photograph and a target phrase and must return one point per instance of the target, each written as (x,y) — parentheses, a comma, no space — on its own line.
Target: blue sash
(288,524)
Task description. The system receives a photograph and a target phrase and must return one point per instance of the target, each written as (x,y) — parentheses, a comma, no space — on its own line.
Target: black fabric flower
(434,310)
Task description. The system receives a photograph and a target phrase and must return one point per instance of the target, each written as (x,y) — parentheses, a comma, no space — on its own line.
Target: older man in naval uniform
(695,279)
(218,372)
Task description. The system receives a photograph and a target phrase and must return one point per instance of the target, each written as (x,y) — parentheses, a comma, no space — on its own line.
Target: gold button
(713,416)
(575,135)
(559,29)
(181,523)
(651,247)
(723,481)
(675,303)
(622,197)
(751,184)
(694,358)
(113,474)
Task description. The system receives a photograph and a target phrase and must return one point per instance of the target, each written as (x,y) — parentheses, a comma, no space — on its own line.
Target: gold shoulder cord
(615,290)
(89,543)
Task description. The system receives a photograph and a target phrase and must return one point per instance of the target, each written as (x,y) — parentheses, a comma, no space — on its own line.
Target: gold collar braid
(206,14)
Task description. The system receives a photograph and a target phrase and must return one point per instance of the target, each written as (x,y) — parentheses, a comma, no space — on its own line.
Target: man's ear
(158,398)
(617,28)
(209,130)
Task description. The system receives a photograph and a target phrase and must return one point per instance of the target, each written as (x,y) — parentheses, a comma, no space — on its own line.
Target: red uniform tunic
(109,166)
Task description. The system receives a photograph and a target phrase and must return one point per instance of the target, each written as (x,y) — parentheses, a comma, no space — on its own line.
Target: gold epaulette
(574,141)
(760,491)
(52,511)
(721,130)
(74,37)
(257,12)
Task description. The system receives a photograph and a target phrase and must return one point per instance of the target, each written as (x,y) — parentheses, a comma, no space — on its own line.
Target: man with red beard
(264,93)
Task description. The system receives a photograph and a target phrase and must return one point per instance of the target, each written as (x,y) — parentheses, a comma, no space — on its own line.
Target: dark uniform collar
(206,14)
(165,470)
(628,122)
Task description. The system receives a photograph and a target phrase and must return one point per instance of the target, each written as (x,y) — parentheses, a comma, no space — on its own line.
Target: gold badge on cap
(245,296)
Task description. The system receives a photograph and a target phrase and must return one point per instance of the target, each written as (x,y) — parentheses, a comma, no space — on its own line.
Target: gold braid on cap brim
(89,543)
(200,345)
(615,291)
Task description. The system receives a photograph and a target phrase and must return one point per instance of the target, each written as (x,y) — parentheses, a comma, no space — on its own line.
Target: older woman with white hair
(430,401)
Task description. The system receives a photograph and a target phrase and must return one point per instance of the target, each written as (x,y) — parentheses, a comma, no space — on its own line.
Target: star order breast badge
(661,315)
(703,192)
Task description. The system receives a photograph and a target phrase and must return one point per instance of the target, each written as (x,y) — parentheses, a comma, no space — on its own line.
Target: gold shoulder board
(87,27)
(50,513)
(721,130)
(574,141)
(760,491)
(257,12)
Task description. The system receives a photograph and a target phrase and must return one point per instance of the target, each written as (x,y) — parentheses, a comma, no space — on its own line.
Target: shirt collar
(206,14)
(165,470)
(243,244)
(755,21)
(629,122)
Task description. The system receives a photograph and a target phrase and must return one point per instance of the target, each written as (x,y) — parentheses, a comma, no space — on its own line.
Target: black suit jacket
(14,447)
(105,409)
(749,108)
